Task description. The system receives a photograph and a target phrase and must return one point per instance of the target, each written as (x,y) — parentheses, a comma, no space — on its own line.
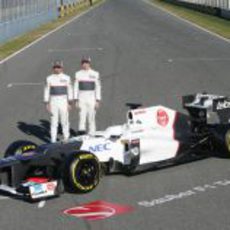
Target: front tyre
(20,148)
(83,172)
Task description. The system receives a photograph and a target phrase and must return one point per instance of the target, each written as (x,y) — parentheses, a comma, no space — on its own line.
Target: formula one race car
(151,137)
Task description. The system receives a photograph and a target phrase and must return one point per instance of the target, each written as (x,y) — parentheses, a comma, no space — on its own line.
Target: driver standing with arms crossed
(58,95)
(87,94)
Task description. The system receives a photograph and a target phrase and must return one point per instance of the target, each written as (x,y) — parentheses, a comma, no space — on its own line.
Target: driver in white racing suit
(58,95)
(87,94)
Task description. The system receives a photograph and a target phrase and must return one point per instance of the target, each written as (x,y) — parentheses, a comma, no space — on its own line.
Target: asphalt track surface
(144,55)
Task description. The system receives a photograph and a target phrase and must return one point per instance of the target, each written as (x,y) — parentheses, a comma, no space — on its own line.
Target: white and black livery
(151,137)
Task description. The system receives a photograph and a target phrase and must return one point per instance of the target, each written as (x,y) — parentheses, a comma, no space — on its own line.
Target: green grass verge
(18,43)
(212,23)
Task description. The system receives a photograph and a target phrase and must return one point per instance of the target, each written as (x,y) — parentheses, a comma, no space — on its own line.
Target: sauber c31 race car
(152,137)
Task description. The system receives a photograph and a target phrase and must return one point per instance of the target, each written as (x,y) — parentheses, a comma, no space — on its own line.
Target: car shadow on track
(40,130)
(149,168)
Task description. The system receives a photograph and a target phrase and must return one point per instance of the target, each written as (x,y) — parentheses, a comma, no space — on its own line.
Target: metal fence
(19,16)
(221,4)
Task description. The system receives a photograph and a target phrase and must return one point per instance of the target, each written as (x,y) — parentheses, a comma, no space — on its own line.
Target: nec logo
(100,147)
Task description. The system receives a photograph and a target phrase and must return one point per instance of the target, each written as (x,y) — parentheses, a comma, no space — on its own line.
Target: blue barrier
(20,16)
(14,28)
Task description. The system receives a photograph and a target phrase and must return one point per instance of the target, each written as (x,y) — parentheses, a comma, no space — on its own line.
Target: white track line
(49,33)
(10,85)
(204,59)
(75,49)
(187,21)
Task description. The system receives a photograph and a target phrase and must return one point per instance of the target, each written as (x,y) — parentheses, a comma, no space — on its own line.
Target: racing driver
(87,94)
(58,95)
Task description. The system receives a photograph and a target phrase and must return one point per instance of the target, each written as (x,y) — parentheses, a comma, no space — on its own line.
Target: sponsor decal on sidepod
(162,117)
(100,147)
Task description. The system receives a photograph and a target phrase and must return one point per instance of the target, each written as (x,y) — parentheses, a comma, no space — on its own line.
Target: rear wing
(207,108)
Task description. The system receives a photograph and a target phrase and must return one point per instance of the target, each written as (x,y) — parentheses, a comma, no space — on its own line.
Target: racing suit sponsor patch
(58,90)
(86,85)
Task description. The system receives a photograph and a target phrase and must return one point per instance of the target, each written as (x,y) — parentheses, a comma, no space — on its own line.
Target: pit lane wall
(220,8)
(20,16)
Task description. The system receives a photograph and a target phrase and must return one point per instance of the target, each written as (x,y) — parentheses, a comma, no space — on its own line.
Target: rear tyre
(82,172)
(20,148)
(227,144)
(221,142)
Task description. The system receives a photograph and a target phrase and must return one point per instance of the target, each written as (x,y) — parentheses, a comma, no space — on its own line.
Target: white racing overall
(87,91)
(58,93)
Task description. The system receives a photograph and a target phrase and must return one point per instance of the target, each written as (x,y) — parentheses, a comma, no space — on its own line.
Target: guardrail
(219,8)
(20,16)
(222,4)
